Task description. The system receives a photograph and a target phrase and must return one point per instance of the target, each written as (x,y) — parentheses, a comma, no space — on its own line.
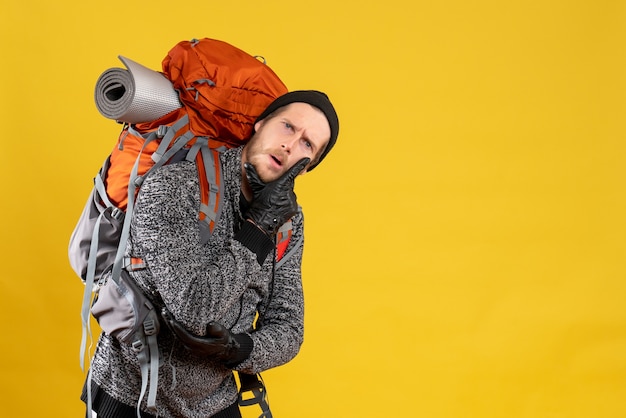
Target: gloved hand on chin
(218,343)
(273,203)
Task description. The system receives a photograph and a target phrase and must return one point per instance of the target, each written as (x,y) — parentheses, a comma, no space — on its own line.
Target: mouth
(276,160)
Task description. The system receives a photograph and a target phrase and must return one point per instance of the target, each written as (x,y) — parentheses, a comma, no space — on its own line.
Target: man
(211,293)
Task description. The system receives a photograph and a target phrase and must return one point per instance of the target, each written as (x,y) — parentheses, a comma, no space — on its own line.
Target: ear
(258,125)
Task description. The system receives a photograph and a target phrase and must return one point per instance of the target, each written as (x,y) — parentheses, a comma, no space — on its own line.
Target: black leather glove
(219,343)
(273,203)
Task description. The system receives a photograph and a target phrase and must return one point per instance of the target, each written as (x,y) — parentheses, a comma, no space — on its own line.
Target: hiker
(210,294)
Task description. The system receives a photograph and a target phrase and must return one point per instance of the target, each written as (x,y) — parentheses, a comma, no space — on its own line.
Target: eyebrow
(315,148)
(304,134)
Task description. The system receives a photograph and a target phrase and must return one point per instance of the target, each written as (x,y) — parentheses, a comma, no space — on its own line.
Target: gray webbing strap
(193,151)
(140,348)
(170,134)
(101,189)
(147,137)
(200,81)
(148,356)
(154,371)
(215,188)
(147,352)
(89,281)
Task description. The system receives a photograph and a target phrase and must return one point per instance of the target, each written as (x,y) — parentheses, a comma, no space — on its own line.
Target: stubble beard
(259,159)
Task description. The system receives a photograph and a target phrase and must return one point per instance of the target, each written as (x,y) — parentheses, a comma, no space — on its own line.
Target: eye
(308,144)
(288,126)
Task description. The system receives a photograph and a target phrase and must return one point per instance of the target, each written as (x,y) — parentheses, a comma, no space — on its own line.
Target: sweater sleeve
(279,332)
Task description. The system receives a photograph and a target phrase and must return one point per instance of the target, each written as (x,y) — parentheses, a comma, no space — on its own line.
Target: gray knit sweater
(219,281)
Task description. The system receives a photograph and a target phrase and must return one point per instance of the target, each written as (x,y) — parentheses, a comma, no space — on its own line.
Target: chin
(268,177)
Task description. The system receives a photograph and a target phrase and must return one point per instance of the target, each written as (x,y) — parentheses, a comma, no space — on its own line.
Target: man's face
(295,131)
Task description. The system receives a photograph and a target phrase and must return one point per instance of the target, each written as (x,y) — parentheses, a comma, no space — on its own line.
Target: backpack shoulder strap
(211,187)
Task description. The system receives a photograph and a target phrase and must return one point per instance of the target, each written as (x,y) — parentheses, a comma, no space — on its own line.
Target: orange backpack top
(222,90)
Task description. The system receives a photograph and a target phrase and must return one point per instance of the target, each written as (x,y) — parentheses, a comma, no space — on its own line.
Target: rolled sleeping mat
(135,95)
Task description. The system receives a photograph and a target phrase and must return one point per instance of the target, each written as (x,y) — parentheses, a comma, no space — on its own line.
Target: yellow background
(465,239)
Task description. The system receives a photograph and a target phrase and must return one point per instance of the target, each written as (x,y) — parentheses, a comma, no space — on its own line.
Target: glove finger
(190,340)
(253,178)
(293,172)
(181,332)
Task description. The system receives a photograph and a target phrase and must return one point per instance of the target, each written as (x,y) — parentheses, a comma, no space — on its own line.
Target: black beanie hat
(314,98)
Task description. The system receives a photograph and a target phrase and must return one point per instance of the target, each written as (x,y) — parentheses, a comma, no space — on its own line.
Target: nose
(287,144)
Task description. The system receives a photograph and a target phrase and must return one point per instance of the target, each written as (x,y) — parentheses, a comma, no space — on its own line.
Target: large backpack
(220,90)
